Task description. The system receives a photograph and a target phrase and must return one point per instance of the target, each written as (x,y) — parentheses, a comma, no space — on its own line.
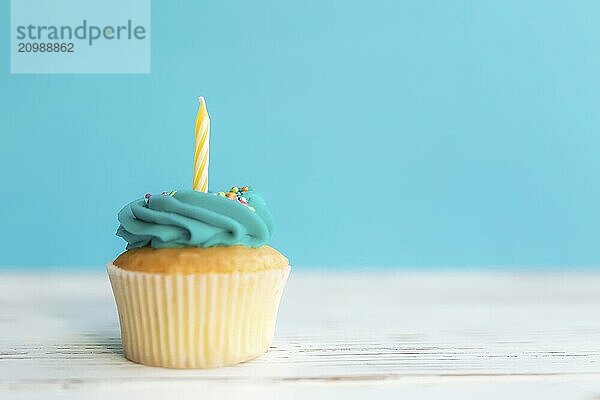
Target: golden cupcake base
(202,320)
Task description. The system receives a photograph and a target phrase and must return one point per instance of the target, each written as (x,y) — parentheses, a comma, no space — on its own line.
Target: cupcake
(197,286)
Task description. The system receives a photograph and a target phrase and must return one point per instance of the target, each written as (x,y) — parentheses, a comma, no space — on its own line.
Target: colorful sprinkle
(236,193)
(147,199)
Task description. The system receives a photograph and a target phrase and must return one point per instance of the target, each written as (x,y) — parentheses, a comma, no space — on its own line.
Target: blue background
(388,133)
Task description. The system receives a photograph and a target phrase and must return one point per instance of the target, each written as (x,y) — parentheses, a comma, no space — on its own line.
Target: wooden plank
(345,333)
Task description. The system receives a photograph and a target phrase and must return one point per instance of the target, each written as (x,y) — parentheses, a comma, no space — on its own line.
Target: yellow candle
(202,135)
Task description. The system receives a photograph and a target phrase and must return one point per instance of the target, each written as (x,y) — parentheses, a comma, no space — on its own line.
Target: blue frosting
(195,219)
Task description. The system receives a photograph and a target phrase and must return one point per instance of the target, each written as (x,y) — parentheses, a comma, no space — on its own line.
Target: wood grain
(340,334)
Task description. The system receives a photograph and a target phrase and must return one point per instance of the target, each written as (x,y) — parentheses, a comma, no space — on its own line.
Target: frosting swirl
(188,218)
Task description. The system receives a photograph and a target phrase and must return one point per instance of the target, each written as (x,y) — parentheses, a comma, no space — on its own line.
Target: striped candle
(202,135)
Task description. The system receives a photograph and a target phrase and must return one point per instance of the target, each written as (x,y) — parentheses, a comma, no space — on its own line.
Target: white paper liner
(205,320)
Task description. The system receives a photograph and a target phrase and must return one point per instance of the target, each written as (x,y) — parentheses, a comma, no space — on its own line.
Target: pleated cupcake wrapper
(204,320)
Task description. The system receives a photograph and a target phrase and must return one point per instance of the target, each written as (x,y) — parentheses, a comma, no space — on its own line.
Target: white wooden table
(387,335)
